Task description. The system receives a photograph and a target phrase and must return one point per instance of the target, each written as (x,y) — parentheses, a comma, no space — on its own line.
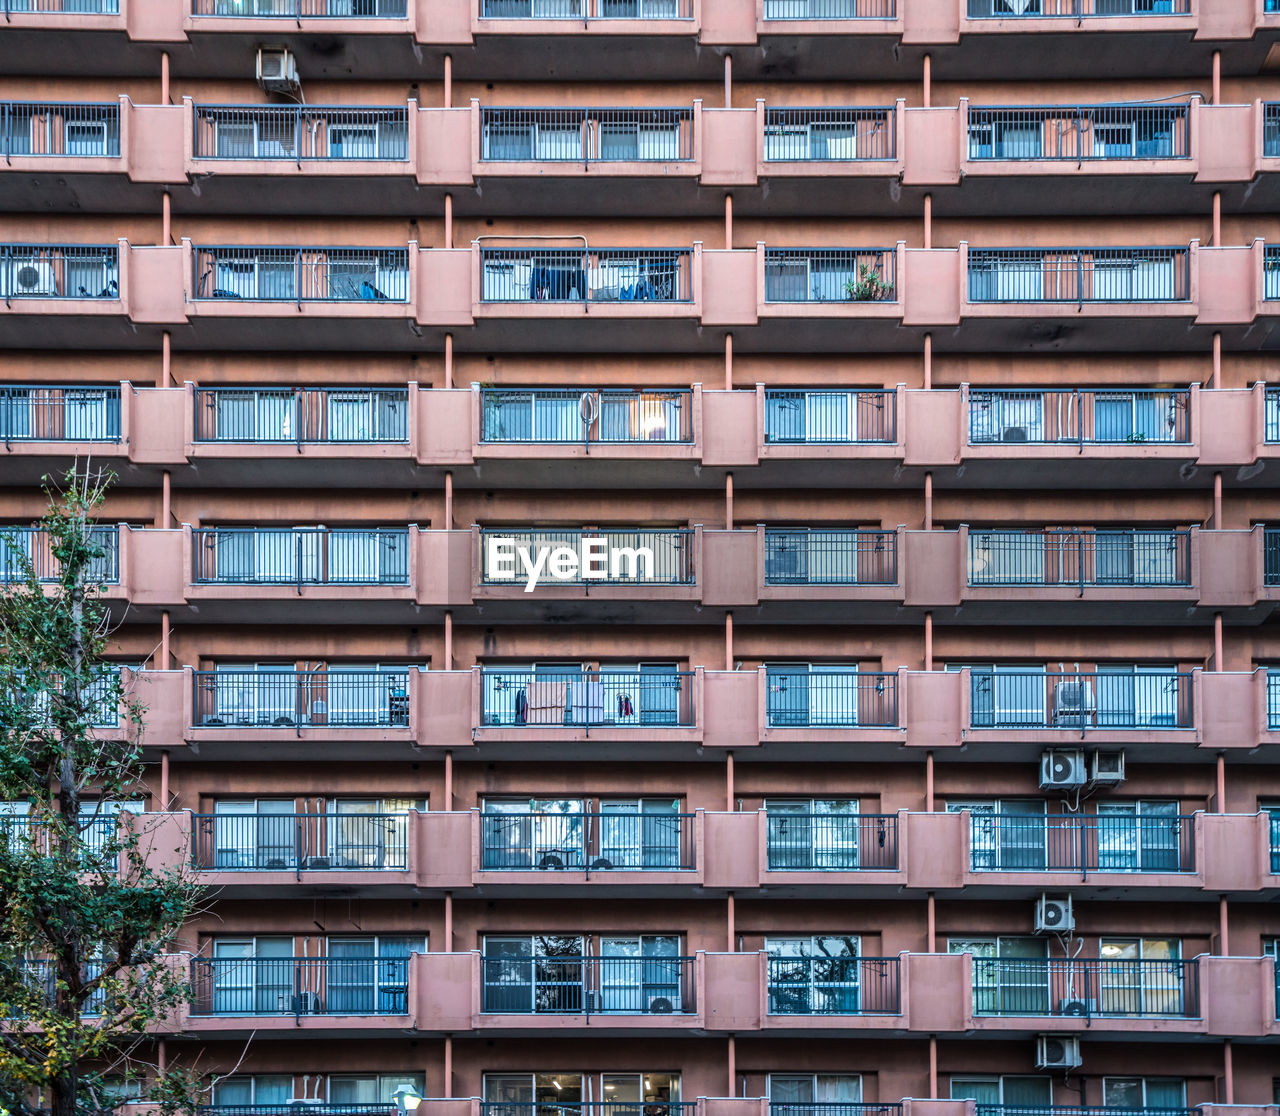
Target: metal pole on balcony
(297,559)
(1080,560)
(297,418)
(297,847)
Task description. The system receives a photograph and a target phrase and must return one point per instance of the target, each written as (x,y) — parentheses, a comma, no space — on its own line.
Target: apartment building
(683,557)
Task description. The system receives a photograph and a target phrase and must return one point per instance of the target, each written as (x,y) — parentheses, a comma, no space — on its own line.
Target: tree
(86,923)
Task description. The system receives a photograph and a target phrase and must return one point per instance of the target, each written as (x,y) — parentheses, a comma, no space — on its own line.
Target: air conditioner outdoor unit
(299,1102)
(308,1003)
(1071,702)
(1107,767)
(1081,1009)
(660,1005)
(1014,434)
(1057,1052)
(28,278)
(1054,915)
(1060,769)
(278,70)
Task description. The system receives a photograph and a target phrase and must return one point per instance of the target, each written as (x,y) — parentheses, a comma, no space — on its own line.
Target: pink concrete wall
(446,421)
(939,996)
(156,142)
(734,991)
(1228,285)
(157,281)
(730,430)
(1224,426)
(933,565)
(157,563)
(931,705)
(728,144)
(1236,995)
(1225,141)
(729,574)
(1229,710)
(444,138)
(728,287)
(731,848)
(935,141)
(937,851)
(445,295)
(445,715)
(931,287)
(932,425)
(442,568)
(1230,567)
(729,704)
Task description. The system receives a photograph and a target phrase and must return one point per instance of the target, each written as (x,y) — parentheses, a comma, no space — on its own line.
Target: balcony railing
(586,275)
(300,556)
(648,556)
(1082,843)
(1271,431)
(1273,698)
(1074,9)
(44,128)
(558,1107)
(829,417)
(834,986)
(1271,272)
(1078,558)
(1080,132)
(585,10)
(58,413)
(1271,124)
(1086,988)
(832,842)
(41,979)
(302,698)
(830,9)
(1092,417)
(838,698)
(96,845)
(299,986)
(1117,700)
(70,271)
(833,1108)
(599,842)
(314,1108)
(573,698)
(302,416)
(823,556)
(829,275)
(306,133)
(300,842)
(828,134)
(587,985)
(23,548)
(586,135)
(1273,829)
(1077,1110)
(68,7)
(571,416)
(302,9)
(282,274)
(1079,275)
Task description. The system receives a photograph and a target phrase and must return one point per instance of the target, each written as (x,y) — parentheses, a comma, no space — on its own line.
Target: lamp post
(407,1100)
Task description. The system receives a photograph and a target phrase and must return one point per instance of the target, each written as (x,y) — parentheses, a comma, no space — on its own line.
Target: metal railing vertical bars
(304,416)
(61,271)
(301,133)
(305,274)
(1100,416)
(1080,558)
(586,275)
(829,134)
(1079,132)
(1001,275)
(586,135)
(573,416)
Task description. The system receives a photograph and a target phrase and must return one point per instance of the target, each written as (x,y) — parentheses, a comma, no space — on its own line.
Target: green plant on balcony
(869,286)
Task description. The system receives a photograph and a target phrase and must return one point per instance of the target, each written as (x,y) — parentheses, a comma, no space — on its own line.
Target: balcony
(581,275)
(59,130)
(656,985)
(833,986)
(1271,129)
(829,275)
(283,986)
(1082,843)
(300,843)
(1079,275)
(1085,988)
(584,11)
(790,10)
(1075,9)
(1271,272)
(28,551)
(40,277)
(799,430)
(831,842)
(831,698)
(291,699)
(1144,700)
(823,556)
(299,556)
(1077,133)
(579,699)
(586,136)
(648,560)
(598,842)
(1083,417)
(302,9)
(799,145)
(1078,558)
(59,413)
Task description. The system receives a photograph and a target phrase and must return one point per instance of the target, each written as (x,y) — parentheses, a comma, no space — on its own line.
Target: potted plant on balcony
(868,286)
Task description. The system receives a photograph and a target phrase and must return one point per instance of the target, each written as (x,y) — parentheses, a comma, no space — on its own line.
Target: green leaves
(87,923)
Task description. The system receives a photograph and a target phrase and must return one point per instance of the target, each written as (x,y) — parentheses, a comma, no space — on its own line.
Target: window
(379,1088)
(367,833)
(533,1094)
(1144,1092)
(87,137)
(635,977)
(1142,836)
(1023,1092)
(802,1094)
(1141,976)
(814,975)
(252,976)
(1010,975)
(815,833)
(529,694)
(1005,695)
(369,975)
(258,1088)
(539,973)
(1138,696)
(812,693)
(1001,417)
(641,833)
(813,416)
(254,833)
(1005,835)
(533,833)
